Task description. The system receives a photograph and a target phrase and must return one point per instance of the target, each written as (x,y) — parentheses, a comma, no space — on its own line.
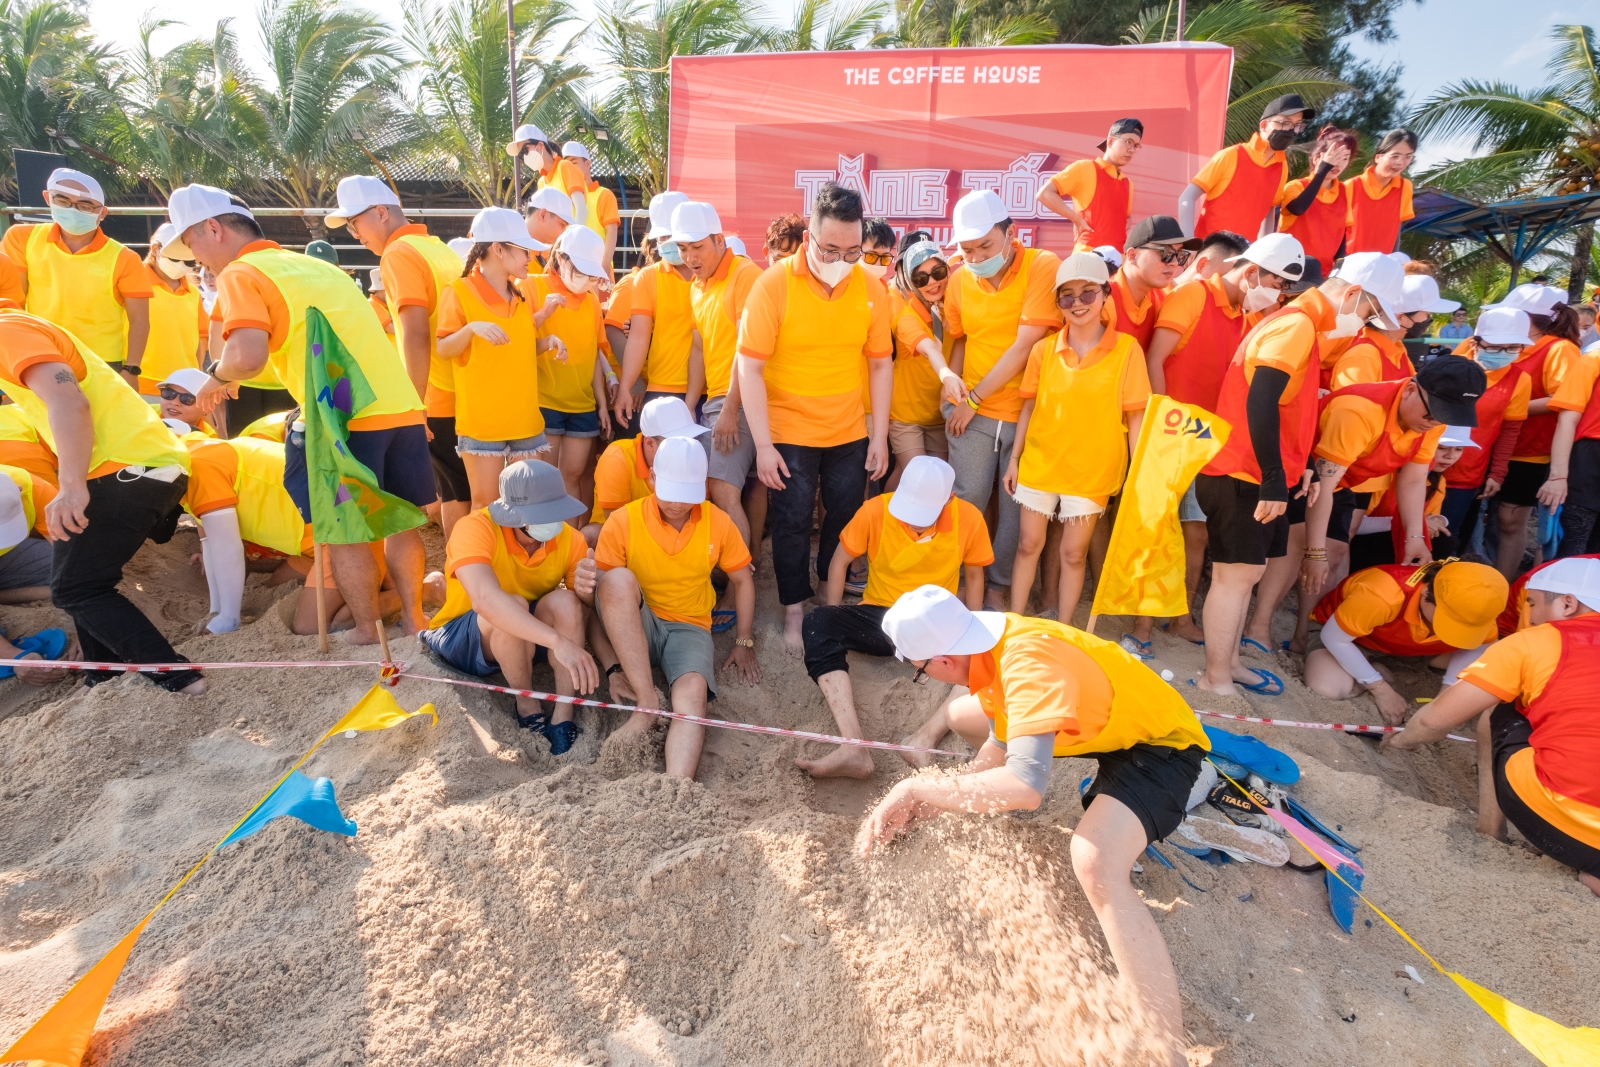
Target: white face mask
(172,268)
(1346,323)
(1259,299)
(879,271)
(826,273)
(578,283)
(544,531)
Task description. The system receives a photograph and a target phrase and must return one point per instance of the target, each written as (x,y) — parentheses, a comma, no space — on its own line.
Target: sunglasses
(877,259)
(169,393)
(936,273)
(1180,256)
(1064,301)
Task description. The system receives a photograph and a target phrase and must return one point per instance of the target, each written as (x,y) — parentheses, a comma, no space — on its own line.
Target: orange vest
(1196,368)
(1565,716)
(1407,634)
(1139,331)
(1376,225)
(1321,229)
(1297,420)
(1589,422)
(1472,468)
(1248,197)
(1107,212)
(1382,458)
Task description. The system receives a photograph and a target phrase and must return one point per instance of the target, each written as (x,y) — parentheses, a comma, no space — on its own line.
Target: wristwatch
(747,642)
(615,668)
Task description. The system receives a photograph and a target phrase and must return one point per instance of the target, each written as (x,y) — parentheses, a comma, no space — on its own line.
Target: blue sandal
(1264,687)
(722,619)
(1135,647)
(48,643)
(1257,645)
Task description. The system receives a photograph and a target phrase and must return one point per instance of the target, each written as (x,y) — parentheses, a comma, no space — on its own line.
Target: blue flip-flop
(1257,645)
(722,619)
(1342,898)
(1253,753)
(1139,649)
(1264,686)
(48,643)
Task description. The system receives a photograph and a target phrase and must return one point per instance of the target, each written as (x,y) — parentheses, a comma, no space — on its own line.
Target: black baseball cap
(1452,386)
(1120,127)
(1161,230)
(1288,104)
(1309,280)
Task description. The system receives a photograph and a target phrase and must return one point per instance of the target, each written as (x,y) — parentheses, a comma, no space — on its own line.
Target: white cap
(1280,254)
(1082,267)
(1400,258)
(931,621)
(1534,299)
(91,188)
(576,149)
(1457,437)
(358,192)
(501,224)
(1504,326)
(976,214)
(1574,575)
(585,248)
(164,235)
(680,470)
(1110,254)
(669,416)
(554,201)
(662,205)
(694,221)
(462,245)
(13,517)
(187,379)
(735,245)
(375,280)
(525,133)
(190,204)
(1419,292)
(1377,275)
(178,426)
(923,492)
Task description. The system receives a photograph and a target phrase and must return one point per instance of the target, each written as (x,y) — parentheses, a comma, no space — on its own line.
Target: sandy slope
(500,906)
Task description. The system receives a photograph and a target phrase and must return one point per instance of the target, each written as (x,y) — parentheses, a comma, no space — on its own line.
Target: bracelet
(1415,537)
(219,378)
(1316,553)
(1556,478)
(745,642)
(973,400)
(615,668)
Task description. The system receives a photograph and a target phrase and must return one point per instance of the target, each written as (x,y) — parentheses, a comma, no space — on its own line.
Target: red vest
(1139,331)
(1534,440)
(1107,213)
(1195,369)
(1382,458)
(1393,638)
(1589,421)
(1321,228)
(1376,225)
(1388,507)
(1472,468)
(1246,199)
(1511,618)
(1297,420)
(1566,716)
(1388,369)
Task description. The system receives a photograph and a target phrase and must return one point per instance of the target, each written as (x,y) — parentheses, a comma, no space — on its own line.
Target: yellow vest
(1077,440)
(267,515)
(672,584)
(566,387)
(446,267)
(497,386)
(271,427)
(174,335)
(127,428)
(1144,709)
(990,320)
(638,488)
(915,400)
(24,483)
(515,575)
(308,282)
(903,563)
(816,375)
(20,445)
(592,220)
(78,293)
(718,325)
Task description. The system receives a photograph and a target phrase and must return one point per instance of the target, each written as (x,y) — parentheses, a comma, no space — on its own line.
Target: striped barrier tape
(1346,727)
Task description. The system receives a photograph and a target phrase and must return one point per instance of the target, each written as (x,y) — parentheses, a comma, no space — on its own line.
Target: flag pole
(322,612)
(1093,620)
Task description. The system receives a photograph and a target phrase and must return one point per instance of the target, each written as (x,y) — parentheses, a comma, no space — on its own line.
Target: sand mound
(500,906)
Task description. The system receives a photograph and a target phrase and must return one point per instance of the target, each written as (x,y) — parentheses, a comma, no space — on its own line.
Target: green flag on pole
(347,507)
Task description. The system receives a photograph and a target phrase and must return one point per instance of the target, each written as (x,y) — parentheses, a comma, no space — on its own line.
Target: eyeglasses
(921,677)
(877,259)
(849,255)
(1426,410)
(936,273)
(1281,122)
(1180,256)
(62,200)
(1064,300)
(169,393)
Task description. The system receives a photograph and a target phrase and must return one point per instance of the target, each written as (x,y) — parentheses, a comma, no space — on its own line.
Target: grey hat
(532,492)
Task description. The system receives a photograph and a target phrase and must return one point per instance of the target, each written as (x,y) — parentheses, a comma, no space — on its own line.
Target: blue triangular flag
(311,802)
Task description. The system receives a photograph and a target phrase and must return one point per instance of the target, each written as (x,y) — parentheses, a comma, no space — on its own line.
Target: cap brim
(983,633)
(1443,307)
(914,514)
(514,148)
(691,237)
(1102,144)
(335,221)
(1459,633)
(1452,412)
(690,430)
(533,514)
(590,267)
(175,248)
(680,492)
(957,236)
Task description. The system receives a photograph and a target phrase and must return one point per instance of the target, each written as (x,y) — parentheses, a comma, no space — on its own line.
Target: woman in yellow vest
(486,330)
(922,348)
(602,216)
(178,322)
(1083,397)
(1039,689)
(573,378)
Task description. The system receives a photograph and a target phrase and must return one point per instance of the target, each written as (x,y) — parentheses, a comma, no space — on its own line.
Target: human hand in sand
(894,815)
(743,660)
(578,663)
(1391,705)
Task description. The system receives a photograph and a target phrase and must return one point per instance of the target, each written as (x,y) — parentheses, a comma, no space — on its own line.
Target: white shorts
(1056,505)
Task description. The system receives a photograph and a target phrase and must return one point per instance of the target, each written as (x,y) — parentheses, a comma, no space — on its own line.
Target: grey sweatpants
(980,464)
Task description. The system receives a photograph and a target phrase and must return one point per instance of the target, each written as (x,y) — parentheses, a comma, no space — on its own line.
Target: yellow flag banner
(61,1036)
(1143,572)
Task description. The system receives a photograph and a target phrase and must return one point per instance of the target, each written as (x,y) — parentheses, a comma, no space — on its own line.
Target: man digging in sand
(1037,689)
(922,533)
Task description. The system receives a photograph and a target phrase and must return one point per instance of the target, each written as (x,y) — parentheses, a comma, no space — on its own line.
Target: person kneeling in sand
(622,474)
(1538,723)
(1443,608)
(504,604)
(655,597)
(921,533)
(1037,689)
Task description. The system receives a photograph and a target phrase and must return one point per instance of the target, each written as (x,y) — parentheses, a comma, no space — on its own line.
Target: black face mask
(1278,140)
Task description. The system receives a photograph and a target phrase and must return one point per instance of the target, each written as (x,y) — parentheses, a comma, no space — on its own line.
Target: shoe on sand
(1239,842)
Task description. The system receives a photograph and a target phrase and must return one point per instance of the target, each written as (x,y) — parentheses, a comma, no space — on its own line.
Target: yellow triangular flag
(378,710)
(1553,1044)
(62,1034)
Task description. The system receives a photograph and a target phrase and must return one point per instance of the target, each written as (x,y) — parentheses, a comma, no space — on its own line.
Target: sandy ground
(503,907)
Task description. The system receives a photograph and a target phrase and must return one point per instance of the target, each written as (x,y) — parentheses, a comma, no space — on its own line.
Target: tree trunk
(1580,264)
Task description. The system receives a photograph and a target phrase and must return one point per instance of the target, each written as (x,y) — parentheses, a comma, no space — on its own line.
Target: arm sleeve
(1505,446)
(1261,408)
(224,562)
(1460,661)
(1302,203)
(1343,648)
(1028,759)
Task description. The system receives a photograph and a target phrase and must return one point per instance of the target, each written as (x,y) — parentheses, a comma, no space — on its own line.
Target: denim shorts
(521,448)
(571,423)
(459,643)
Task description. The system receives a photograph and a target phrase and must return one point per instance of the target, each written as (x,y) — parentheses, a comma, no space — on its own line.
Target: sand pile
(500,906)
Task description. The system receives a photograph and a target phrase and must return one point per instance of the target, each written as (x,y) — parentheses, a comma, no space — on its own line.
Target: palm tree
(49,66)
(1540,142)
(968,23)
(821,26)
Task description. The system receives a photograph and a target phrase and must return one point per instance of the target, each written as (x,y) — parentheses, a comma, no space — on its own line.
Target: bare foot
(359,635)
(1591,882)
(1142,627)
(846,761)
(793,616)
(1228,689)
(997,598)
(1490,827)
(621,691)
(1183,626)
(918,760)
(194,688)
(433,587)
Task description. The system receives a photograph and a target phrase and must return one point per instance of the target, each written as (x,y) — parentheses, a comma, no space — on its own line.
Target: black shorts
(1297,508)
(1233,533)
(251,404)
(1346,502)
(396,456)
(1521,487)
(1583,474)
(449,473)
(1153,781)
(1509,731)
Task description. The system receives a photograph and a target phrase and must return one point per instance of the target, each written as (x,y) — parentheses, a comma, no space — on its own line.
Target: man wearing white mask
(70,268)
(178,321)
(549,213)
(601,211)
(661,325)
(539,153)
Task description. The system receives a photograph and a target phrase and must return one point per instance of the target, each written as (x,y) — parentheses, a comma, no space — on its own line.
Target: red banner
(913,130)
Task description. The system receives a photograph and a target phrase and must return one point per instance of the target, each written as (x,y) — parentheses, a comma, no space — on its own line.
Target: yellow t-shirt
(1077,442)
(569,386)
(902,563)
(673,566)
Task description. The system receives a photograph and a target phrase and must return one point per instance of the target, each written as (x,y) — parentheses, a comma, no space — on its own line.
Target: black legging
(1578,531)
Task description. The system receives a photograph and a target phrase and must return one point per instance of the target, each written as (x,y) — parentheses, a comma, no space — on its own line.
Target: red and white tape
(1346,727)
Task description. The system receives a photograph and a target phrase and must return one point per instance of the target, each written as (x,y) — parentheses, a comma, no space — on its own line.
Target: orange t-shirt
(1577,384)
(1048,686)
(473,540)
(728,550)
(248,299)
(11,281)
(1180,312)
(605,206)
(1372,599)
(863,536)
(1352,426)
(614,477)
(128,277)
(620,308)
(1215,177)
